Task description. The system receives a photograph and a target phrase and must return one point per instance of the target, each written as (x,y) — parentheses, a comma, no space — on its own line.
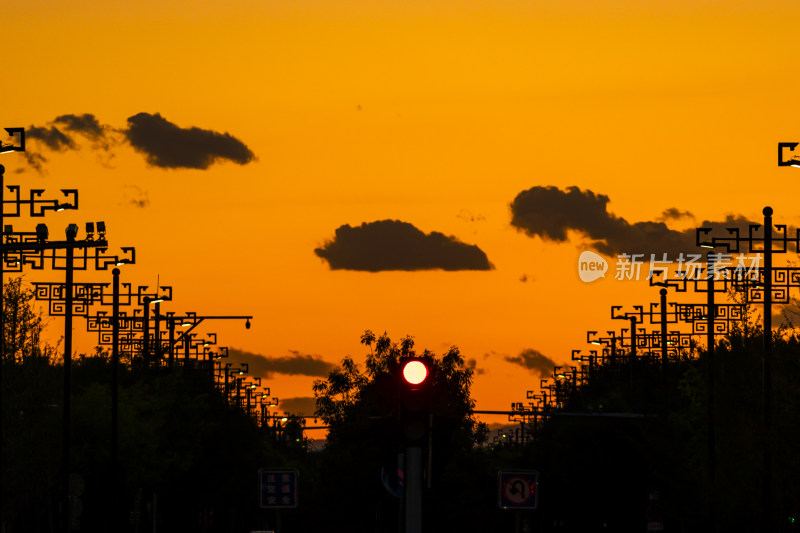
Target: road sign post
(518,490)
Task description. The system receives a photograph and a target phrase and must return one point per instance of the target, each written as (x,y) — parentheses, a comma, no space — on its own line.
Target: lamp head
(247,324)
(72,231)
(41,232)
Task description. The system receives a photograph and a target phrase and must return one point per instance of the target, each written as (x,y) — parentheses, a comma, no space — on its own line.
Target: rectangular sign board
(278,488)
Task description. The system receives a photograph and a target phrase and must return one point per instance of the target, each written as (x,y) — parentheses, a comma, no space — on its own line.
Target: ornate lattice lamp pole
(766,239)
(33,249)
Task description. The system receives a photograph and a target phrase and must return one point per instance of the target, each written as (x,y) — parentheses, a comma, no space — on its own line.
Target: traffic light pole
(413,489)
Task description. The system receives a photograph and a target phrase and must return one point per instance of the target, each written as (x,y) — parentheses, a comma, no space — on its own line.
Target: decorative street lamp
(766,239)
(33,249)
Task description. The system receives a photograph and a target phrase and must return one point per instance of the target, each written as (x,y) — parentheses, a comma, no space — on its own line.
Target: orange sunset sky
(433,113)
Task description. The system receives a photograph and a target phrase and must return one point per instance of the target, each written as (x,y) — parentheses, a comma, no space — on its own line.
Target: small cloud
(51,136)
(469,216)
(673,213)
(473,364)
(35,160)
(294,364)
(136,196)
(303,405)
(493,353)
(86,124)
(534,361)
(167,145)
(395,245)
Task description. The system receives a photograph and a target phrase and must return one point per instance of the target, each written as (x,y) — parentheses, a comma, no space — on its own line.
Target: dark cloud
(35,160)
(549,212)
(136,196)
(396,245)
(673,213)
(167,145)
(85,124)
(51,136)
(304,405)
(469,216)
(294,364)
(535,361)
(473,364)
(163,143)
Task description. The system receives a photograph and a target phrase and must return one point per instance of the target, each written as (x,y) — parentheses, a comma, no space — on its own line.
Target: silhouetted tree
(362,411)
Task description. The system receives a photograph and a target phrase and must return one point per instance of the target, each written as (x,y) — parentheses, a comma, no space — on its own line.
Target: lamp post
(766,239)
(35,250)
(146,300)
(38,207)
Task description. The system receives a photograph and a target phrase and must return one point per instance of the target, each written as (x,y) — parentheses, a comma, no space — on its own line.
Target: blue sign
(518,490)
(278,488)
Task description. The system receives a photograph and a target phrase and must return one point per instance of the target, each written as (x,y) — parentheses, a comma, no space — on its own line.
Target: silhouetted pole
(114,398)
(663,293)
(413,486)
(171,342)
(712,470)
(2,349)
(65,429)
(157,334)
(767,370)
(146,340)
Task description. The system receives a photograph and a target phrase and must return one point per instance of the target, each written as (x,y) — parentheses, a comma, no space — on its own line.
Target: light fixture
(793,162)
(41,232)
(89,230)
(6,148)
(72,231)
(247,324)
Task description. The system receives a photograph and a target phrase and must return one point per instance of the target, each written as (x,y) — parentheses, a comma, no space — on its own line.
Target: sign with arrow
(518,490)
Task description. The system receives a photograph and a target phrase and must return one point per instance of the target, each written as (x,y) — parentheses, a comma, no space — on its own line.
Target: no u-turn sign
(518,490)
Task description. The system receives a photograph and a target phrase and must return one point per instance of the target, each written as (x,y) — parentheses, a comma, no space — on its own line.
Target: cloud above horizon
(304,405)
(534,361)
(163,143)
(549,213)
(395,245)
(167,145)
(296,364)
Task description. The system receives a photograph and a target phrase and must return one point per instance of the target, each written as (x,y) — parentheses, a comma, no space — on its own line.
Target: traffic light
(414,385)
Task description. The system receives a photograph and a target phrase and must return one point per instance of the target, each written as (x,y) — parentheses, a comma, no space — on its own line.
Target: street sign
(278,488)
(518,490)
